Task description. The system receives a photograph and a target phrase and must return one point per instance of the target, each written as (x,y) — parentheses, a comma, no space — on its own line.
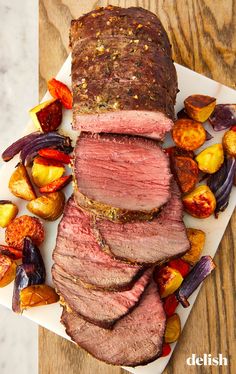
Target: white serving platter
(49,316)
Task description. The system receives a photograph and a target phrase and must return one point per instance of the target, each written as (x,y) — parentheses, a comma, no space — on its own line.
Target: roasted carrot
(60,91)
(54,154)
(56,185)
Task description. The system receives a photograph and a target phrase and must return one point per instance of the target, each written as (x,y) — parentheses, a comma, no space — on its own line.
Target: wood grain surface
(202,33)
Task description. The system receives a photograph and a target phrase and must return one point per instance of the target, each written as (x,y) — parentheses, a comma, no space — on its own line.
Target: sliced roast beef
(123,77)
(121,177)
(103,308)
(79,254)
(148,242)
(136,339)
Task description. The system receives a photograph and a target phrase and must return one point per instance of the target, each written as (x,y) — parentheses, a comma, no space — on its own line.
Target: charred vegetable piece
(221,184)
(168,280)
(8,211)
(180,265)
(20,184)
(166,349)
(54,154)
(198,273)
(199,107)
(59,90)
(182,114)
(56,185)
(186,172)
(13,253)
(176,151)
(188,134)
(48,207)
(21,227)
(173,329)
(197,240)
(17,146)
(46,171)
(229,142)
(223,117)
(37,295)
(7,270)
(211,158)
(170,304)
(47,116)
(208,135)
(200,203)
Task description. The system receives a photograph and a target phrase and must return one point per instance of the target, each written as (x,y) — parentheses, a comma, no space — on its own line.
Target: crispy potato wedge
(46,171)
(199,107)
(200,203)
(197,240)
(186,172)
(7,270)
(211,158)
(8,211)
(47,116)
(49,206)
(20,184)
(229,142)
(168,280)
(188,134)
(37,295)
(173,329)
(21,227)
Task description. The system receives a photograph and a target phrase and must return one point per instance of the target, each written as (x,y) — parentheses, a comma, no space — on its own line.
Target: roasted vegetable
(188,134)
(56,185)
(176,151)
(54,154)
(7,270)
(173,329)
(221,183)
(211,158)
(197,240)
(180,265)
(198,273)
(166,349)
(47,116)
(21,227)
(20,184)
(199,107)
(229,142)
(31,272)
(168,280)
(182,114)
(59,90)
(186,172)
(17,146)
(208,136)
(8,211)
(170,304)
(13,253)
(200,203)
(37,295)
(48,207)
(46,171)
(223,117)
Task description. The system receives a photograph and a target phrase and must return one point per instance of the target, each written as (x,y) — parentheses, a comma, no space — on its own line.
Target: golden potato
(7,270)
(200,203)
(168,280)
(8,212)
(197,240)
(229,142)
(46,171)
(173,329)
(20,184)
(188,134)
(211,158)
(199,107)
(37,295)
(49,206)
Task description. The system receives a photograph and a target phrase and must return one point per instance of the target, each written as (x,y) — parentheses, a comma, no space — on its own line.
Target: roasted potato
(200,203)
(46,171)
(7,270)
(229,142)
(49,206)
(186,172)
(47,116)
(37,295)
(173,329)
(21,227)
(168,280)
(20,184)
(211,158)
(8,211)
(188,134)
(199,107)
(197,240)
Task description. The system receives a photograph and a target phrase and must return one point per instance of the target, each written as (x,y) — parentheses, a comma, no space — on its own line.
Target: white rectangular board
(49,316)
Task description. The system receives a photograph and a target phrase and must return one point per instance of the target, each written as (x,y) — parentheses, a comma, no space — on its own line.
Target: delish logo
(207,360)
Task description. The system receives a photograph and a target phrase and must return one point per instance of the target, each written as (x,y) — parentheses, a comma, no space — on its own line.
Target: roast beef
(135,339)
(148,242)
(121,177)
(123,77)
(102,308)
(81,256)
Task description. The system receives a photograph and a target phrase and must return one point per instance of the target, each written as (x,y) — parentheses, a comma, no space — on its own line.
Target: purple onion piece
(223,117)
(208,135)
(2,202)
(17,146)
(198,273)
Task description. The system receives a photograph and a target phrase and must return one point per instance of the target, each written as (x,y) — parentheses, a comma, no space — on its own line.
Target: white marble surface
(18,93)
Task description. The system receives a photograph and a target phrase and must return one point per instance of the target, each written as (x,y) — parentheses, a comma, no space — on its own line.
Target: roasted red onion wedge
(223,117)
(17,146)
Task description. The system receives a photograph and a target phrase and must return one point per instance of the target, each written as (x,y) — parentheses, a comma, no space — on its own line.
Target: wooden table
(201,33)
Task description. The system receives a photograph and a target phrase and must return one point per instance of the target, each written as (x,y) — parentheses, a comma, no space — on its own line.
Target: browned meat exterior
(103,308)
(121,177)
(135,340)
(123,76)
(148,242)
(80,255)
